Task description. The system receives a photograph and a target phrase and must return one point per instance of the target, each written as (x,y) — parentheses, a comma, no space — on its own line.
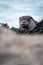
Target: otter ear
(29,18)
(20,18)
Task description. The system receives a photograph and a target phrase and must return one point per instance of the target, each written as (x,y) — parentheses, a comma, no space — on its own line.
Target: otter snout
(23,22)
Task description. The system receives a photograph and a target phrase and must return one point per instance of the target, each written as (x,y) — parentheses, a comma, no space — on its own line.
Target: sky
(11,10)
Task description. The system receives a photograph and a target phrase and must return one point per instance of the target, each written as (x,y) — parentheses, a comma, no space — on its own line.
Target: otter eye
(28,20)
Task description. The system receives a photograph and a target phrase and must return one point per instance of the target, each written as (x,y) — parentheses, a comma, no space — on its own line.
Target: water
(11,10)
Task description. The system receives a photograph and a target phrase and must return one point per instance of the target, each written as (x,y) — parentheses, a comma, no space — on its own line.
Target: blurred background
(11,10)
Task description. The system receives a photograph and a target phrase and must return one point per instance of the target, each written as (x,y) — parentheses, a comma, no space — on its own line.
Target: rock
(13,28)
(40,25)
(20,49)
(39,28)
(5,25)
(16,30)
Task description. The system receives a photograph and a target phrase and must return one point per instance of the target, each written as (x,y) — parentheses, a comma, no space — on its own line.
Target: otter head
(27,22)
(24,21)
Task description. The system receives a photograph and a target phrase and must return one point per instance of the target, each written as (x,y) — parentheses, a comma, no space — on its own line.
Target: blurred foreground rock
(20,49)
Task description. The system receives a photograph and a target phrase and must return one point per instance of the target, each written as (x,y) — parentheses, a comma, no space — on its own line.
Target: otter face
(24,21)
(27,22)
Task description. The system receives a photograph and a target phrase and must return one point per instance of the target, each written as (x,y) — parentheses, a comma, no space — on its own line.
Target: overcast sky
(11,10)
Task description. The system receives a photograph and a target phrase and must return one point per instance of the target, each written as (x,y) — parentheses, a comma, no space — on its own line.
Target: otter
(27,23)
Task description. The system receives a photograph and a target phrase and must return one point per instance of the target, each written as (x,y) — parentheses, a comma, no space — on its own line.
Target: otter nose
(23,21)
